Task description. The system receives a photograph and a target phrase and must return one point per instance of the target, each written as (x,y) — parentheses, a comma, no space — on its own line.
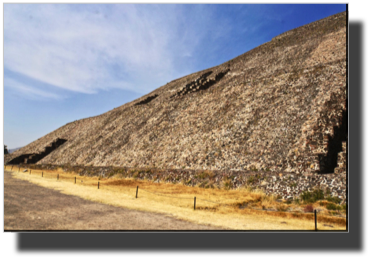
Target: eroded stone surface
(272,109)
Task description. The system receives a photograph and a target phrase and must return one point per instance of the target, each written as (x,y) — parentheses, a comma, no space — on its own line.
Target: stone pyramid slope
(279,107)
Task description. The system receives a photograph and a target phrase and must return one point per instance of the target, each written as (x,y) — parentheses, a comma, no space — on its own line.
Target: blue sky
(66,62)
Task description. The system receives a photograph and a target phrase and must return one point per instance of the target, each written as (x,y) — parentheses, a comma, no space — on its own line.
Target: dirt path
(31,207)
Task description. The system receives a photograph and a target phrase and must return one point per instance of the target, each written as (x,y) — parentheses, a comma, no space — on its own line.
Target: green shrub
(306,196)
(333,199)
(206,174)
(318,194)
(227,184)
(251,180)
(210,185)
(111,174)
(323,203)
(136,174)
(203,184)
(331,207)
(344,207)
(311,197)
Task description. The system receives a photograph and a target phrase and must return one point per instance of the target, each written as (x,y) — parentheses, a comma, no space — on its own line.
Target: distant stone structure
(33,158)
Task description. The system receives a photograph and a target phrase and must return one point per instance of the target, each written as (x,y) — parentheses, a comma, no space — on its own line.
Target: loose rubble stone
(274,118)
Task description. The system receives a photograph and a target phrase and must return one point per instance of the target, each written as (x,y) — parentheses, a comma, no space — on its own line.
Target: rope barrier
(157,193)
(214,202)
(105,187)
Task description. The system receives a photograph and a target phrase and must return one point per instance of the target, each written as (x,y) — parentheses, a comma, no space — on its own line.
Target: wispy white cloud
(29,91)
(86,48)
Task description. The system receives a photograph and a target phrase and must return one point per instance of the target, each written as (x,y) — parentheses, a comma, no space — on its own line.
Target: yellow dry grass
(177,200)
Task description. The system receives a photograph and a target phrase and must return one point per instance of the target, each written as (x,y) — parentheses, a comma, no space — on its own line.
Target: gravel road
(31,207)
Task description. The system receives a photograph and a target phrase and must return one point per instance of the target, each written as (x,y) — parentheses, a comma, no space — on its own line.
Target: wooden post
(137,190)
(30,171)
(57,177)
(195,201)
(315,218)
(11,168)
(42,174)
(75,180)
(19,169)
(98,184)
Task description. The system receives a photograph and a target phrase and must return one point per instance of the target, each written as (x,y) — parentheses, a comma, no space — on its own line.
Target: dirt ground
(31,207)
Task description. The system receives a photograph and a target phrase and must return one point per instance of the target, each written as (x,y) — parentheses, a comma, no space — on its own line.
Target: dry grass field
(230,209)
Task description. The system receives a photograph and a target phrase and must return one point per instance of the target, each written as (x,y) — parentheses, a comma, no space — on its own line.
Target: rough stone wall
(284,185)
(35,157)
(201,83)
(272,109)
(342,157)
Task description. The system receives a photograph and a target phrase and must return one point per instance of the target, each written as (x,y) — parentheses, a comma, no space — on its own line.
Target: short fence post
(315,217)
(30,171)
(137,190)
(75,180)
(11,168)
(18,169)
(98,184)
(42,174)
(57,177)
(195,201)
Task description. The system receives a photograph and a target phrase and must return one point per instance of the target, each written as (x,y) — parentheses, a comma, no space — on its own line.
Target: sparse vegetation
(227,183)
(333,199)
(136,174)
(344,207)
(281,207)
(251,180)
(207,174)
(312,197)
(202,184)
(241,203)
(330,206)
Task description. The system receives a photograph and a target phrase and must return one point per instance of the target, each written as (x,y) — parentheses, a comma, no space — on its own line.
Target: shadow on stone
(34,158)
